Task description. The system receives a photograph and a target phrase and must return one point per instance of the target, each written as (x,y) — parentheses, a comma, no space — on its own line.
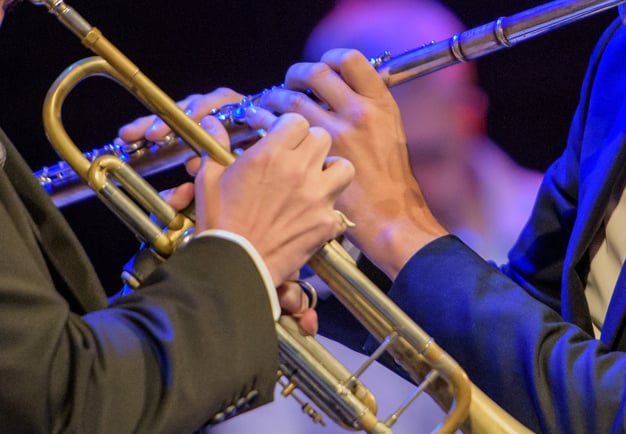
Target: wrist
(392,242)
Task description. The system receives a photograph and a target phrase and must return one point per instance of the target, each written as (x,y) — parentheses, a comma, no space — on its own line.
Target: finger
(207,179)
(324,82)
(211,168)
(151,128)
(205,184)
(285,134)
(192,166)
(207,193)
(338,173)
(159,129)
(260,118)
(314,149)
(215,128)
(308,321)
(196,106)
(203,105)
(180,197)
(136,129)
(293,300)
(282,100)
(356,71)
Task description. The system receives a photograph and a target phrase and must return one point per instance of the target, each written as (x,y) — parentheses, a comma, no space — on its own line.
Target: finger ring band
(345,220)
(310,292)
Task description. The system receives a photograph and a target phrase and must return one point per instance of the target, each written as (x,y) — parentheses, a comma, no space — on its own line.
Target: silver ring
(310,292)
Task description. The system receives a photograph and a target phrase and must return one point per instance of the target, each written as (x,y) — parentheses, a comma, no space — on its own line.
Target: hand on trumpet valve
(297,298)
(279,194)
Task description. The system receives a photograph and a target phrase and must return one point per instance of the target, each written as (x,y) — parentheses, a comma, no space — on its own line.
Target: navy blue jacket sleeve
(546,372)
(524,335)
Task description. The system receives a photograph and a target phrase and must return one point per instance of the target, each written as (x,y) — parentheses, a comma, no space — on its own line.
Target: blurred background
(197,45)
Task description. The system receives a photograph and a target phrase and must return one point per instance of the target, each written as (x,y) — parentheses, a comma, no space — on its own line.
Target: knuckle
(359,114)
(295,121)
(253,159)
(269,159)
(320,134)
(347,167)
(297,175)
(295,101)
(319,71)
(321,139)
(358,118)
(341,135)
(352,57)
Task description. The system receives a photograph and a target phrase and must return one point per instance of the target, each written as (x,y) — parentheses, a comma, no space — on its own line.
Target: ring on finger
(311,294)
(345,221)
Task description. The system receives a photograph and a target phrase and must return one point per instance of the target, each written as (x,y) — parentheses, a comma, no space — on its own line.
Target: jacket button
(219,417)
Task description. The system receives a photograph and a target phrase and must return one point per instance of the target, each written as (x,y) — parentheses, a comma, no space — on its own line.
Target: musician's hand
(179,197)
(291,297)
(279,194)
(196,106)
(293,300)
(364,121)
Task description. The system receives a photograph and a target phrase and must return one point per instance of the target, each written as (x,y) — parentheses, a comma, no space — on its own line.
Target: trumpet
(305,364)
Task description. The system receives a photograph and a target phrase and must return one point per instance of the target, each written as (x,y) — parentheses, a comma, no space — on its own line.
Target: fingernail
(158,123)
(252,115)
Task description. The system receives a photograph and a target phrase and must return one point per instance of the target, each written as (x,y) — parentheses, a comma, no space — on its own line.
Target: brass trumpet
(306,364)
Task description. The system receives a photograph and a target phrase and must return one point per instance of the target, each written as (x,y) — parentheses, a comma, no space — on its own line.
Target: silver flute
(148,158)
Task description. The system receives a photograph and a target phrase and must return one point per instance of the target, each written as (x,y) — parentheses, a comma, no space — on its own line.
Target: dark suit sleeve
(574,193)
(545,371)
(197,341)
(524,336)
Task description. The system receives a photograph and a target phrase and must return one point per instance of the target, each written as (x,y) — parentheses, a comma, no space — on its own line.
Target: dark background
(195,45)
